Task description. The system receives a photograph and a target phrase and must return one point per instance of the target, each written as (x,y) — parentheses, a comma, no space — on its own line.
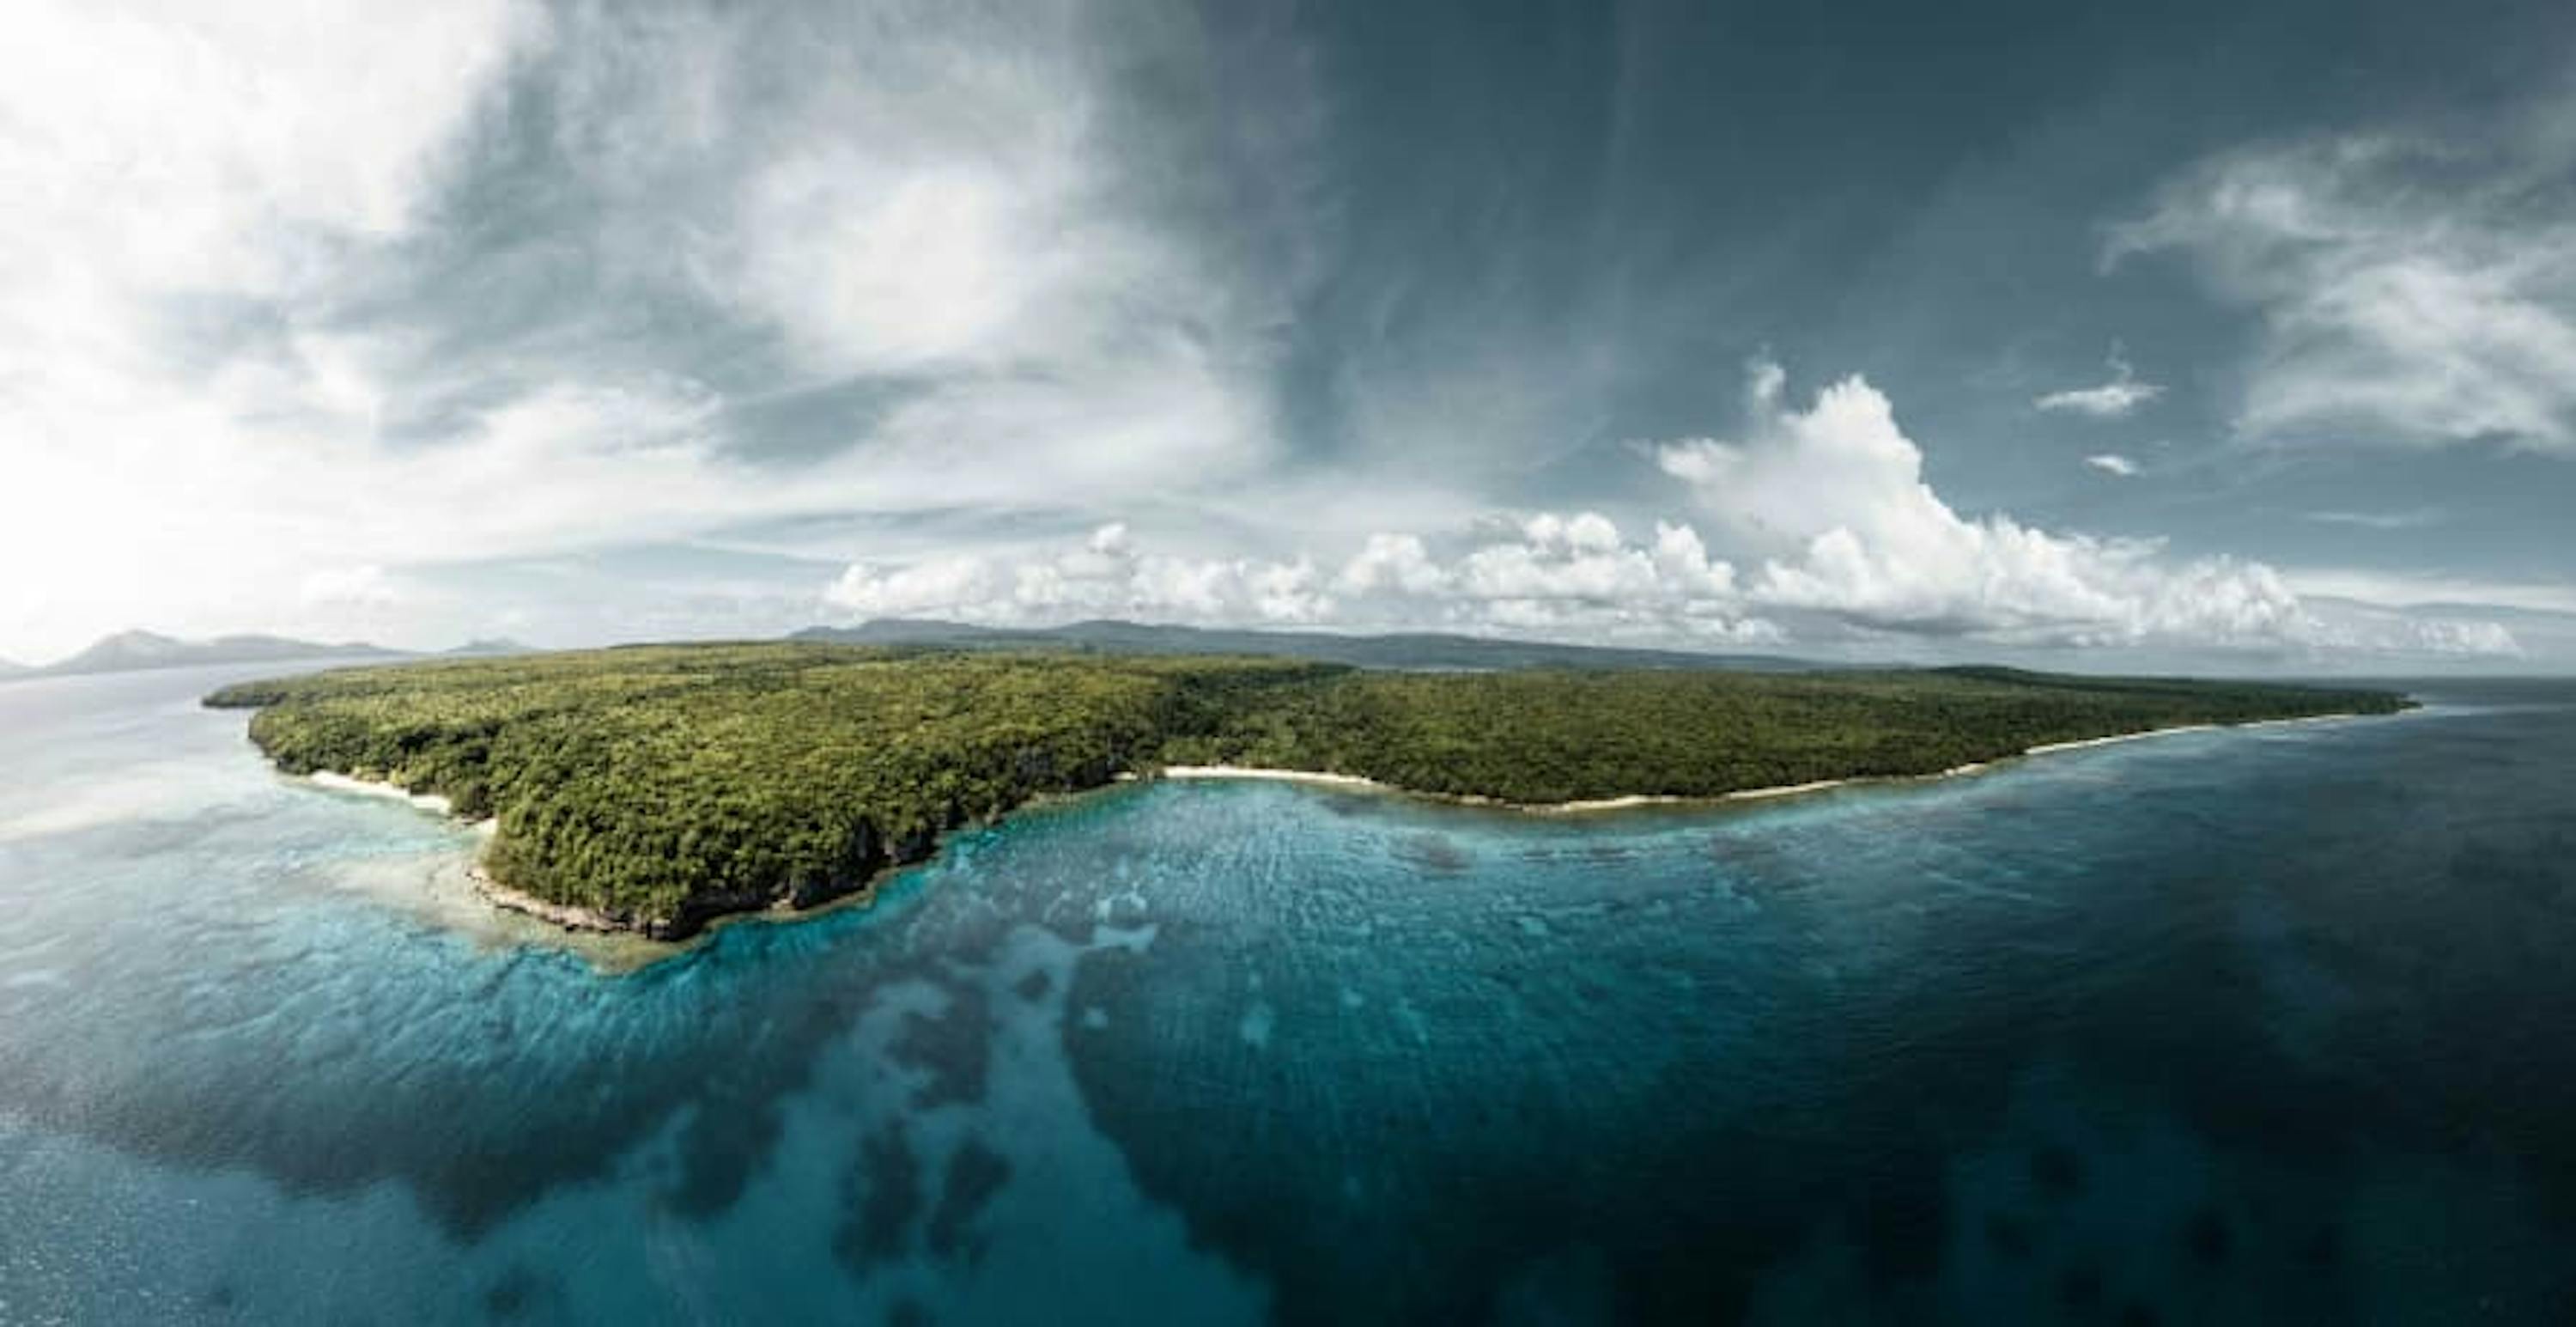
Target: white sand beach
(1601,804)
(342,783)
(1260,772)
(1783,790)
(2045,747)
(2303,718)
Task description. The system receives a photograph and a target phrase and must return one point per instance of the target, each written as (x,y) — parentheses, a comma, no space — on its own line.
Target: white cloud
(1547,574)
(1833,496)
(1393,564)
(2410,519)
(1584,560)
(2109,400)
(1107,575)
(2112,463)
(2411,589)
(2465,638)
(963,585)
(1582,568)
(2344,630)
(2411,288)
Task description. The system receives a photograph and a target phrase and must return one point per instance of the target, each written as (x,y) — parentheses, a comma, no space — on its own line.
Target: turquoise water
(2261,1026)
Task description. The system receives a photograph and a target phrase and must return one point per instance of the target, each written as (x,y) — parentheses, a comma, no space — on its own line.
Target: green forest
(661,786)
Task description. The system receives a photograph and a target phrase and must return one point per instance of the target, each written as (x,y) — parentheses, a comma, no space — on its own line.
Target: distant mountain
(484,649)
(1404,650)
(11,668)
(128,651)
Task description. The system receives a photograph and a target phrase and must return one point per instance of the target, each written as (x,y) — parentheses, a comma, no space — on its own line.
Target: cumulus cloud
(1832,500)
(1106,576)
(2109,400)
(1546,573)
(1393,564)
(2113,463)
(1565,572)
(1833,496)
(2411,288)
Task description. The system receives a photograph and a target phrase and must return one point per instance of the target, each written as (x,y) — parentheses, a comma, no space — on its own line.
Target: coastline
(1634,801)
(574,918)
(569,916)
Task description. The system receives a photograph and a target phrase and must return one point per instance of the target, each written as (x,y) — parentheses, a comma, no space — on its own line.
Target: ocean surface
(2266,1026)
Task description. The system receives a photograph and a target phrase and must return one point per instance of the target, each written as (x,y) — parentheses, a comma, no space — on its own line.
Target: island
(657,788)
(143,651)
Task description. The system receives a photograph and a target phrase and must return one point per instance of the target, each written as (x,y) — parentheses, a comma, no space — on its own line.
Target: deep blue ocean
(2266,1026)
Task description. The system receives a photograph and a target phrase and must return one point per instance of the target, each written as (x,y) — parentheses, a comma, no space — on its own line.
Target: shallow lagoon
(2251,1026)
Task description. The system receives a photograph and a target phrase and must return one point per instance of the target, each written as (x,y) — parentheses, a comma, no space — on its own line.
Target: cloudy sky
(2209,335)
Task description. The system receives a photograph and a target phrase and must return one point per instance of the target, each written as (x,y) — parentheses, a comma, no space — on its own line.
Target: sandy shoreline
(2303,718)
(1674,799)
(1264,772)
(1636,800)
(1595,804)
(342,783)
(2079,744)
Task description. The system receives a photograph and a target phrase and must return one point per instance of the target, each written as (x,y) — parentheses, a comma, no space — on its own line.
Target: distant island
(129,651)
(138,651)
(655,788)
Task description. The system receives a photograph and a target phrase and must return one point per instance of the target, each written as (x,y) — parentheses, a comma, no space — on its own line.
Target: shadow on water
(485,1082)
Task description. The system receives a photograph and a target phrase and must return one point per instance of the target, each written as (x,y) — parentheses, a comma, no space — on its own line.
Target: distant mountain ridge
(130,651)
(1427,650)
(136,651)
(488,648)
